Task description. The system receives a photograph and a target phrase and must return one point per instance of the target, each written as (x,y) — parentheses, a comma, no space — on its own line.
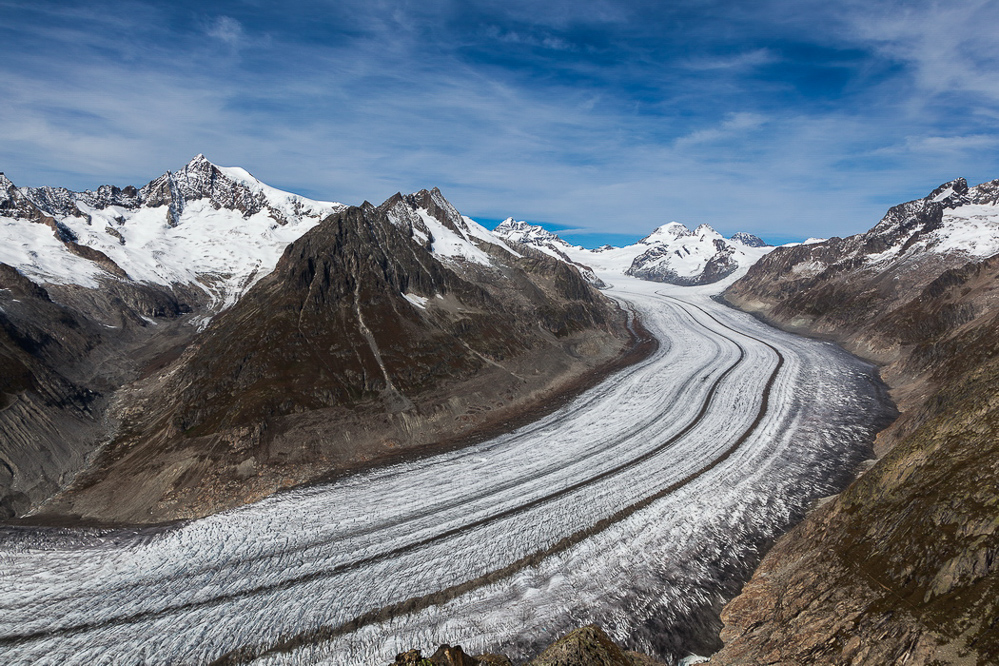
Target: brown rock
(587,646)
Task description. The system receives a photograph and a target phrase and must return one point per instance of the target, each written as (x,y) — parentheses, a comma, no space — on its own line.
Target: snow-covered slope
(216,228)
(432,222)
(672,253)
(950,226)
(968,224)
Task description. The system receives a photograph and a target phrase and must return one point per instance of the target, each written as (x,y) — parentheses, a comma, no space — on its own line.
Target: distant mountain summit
(672,253)
(909,248)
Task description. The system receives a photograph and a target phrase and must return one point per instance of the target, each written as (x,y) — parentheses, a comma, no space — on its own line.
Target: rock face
(447,655)
(672,253)
(902,566)
(589,646)
(383,330)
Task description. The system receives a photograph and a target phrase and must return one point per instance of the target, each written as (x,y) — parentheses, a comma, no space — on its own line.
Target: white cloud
(228,30)
(747,59)
(733,126)
(950,46)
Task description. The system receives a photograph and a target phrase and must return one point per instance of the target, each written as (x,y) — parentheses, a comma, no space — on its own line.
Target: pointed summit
(14,204)
(749,240)
(530,234)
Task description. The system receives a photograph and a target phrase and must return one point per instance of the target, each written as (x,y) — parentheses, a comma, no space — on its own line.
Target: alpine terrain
(474,445)
(205,340)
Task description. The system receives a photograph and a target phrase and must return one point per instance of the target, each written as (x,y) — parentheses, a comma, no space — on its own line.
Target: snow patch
(418,301)
(943,195)
(448,244)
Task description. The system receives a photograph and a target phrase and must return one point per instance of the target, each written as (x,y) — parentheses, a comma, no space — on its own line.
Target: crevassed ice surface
(640,505)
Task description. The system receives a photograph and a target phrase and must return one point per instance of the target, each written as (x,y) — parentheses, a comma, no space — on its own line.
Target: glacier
(641,505)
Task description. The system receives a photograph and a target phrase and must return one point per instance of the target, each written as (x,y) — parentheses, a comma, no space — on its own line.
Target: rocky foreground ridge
(190,343)
(586,646)
(903,566)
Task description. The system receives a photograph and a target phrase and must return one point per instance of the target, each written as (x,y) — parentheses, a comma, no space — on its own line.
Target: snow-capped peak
(434,222)
(672,253)
(703,230)
(666,233)
(529,234)
(214,228)
(749,240)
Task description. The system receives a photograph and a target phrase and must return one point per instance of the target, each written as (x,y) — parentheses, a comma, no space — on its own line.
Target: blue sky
(786,119)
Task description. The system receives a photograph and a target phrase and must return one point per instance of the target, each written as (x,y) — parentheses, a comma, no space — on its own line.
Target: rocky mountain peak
(436,205)
(523,232)
(224,187)
(749,240)
(14,204)
(985,194)
(706,230)
(906,223)
(951,194)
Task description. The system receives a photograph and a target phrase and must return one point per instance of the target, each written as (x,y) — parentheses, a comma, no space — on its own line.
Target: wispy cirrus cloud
(227,30)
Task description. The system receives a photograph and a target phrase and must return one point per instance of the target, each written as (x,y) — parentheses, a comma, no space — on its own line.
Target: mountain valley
(492,437)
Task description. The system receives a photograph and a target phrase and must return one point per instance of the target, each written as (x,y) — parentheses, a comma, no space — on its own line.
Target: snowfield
(640,505)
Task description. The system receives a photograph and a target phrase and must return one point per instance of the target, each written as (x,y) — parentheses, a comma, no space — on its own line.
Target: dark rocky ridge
(902,566)
(586,646)
(325,366)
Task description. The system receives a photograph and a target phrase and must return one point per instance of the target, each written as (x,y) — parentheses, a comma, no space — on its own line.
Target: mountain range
(191,342)
(671,254)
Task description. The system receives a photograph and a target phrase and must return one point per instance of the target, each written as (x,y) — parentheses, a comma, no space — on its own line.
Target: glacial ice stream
(641,505)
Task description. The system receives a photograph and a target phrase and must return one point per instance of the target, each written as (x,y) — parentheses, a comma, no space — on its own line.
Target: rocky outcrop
(589,646)
(447,655)
(749,240)
(586,646)
(902,567)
